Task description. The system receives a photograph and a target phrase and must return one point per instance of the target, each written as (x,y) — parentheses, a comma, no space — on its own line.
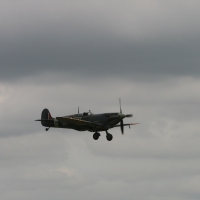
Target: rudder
(46,118)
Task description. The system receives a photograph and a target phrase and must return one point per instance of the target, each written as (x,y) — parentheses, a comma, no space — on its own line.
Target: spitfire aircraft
(87,121)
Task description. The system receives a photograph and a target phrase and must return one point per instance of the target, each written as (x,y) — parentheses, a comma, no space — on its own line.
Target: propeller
(120,105)
(129,115)
(121,122)
(122,127)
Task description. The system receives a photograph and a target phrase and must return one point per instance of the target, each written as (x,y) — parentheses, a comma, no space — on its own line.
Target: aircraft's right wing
(76,121)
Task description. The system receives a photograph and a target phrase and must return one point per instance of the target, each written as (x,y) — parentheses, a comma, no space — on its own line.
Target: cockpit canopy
(87,113)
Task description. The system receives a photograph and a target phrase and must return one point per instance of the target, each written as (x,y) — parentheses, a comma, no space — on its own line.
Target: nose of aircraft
(122,116)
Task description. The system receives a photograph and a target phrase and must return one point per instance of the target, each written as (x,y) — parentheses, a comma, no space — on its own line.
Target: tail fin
(46,118)
(46,115)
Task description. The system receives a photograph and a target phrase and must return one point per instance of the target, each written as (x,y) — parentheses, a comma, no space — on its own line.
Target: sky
(62,55)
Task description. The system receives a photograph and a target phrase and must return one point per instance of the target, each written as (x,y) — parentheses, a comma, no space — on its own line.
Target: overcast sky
(64,54)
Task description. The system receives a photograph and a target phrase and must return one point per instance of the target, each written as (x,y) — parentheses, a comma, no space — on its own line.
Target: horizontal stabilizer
(44,120)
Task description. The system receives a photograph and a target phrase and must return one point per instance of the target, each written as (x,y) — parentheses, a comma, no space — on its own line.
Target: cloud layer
(99,38)
(61,55)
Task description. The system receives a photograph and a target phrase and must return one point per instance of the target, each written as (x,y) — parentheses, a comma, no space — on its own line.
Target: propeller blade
(129,115)
(120,105)
(122,126)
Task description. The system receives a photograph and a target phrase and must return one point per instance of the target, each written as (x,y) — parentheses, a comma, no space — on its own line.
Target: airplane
(87,121)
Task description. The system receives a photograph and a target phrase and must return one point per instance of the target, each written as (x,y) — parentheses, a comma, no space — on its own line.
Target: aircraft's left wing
(76,121)
(127,124)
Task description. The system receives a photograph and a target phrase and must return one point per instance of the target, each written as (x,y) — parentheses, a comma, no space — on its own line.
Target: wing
(76,121)
(127,125)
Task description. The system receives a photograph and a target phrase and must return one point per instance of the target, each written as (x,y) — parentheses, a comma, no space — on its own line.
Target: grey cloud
(104,57)
(96,41)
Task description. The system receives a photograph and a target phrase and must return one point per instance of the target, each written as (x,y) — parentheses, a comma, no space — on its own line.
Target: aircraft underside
(96,134)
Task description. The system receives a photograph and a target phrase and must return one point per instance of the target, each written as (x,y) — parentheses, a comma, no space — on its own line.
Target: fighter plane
(87,121)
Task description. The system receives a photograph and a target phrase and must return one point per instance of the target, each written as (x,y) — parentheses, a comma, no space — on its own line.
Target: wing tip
(134,123)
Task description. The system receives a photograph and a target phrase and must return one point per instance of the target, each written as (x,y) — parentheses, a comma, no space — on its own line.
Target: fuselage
(108,120)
